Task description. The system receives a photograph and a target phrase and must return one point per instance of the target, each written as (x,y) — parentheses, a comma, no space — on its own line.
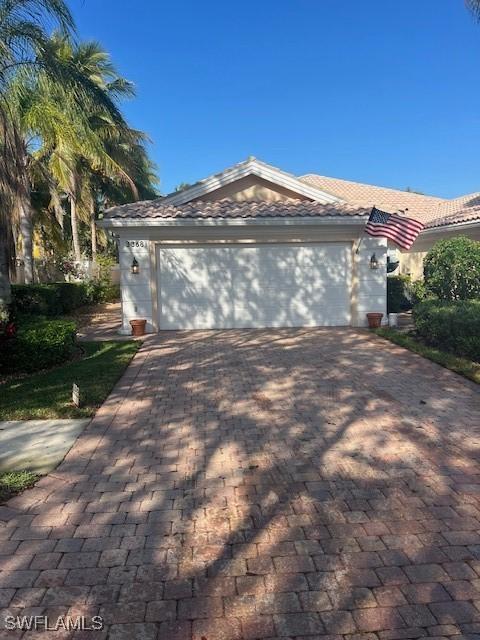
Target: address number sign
(137,244)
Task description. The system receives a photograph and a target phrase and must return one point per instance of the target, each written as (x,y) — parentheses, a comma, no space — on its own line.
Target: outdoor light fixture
(135,268)
(373,262)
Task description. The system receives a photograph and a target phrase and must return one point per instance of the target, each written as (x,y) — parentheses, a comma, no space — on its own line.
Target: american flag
(403,231)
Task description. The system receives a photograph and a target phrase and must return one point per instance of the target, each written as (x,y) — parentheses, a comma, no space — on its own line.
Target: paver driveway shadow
(261,484)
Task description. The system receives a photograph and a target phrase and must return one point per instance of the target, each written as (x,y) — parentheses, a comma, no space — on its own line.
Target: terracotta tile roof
(228,208)
(421,207)
(431,210)
(463,209)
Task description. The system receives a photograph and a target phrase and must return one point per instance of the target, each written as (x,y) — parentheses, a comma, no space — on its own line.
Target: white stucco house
(251,247)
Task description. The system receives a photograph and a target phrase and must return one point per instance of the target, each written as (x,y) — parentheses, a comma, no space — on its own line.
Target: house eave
(450,226)
(251,167)
(119,223)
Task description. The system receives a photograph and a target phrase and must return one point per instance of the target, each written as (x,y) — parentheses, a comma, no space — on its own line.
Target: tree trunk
(5,291)
(93,232)
(26,228)
(26,221)
(74,222)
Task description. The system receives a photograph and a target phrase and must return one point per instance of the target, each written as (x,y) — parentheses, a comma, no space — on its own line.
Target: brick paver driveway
(261,484)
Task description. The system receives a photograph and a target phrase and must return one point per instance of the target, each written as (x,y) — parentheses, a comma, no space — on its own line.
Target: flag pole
(360,241)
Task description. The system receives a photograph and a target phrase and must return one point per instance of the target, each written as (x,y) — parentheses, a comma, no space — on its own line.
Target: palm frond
(474,7)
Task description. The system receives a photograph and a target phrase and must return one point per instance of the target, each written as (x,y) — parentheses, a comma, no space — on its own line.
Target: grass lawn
(13,482)
(464,367)
(48,394)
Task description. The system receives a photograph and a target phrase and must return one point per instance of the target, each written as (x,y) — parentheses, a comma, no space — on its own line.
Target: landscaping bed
(39,343)
(48,394)
(463,366)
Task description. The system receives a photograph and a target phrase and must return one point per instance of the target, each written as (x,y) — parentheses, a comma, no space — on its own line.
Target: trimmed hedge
(453,326)
(40,343)
(52,299)
(59,298)
(41,299)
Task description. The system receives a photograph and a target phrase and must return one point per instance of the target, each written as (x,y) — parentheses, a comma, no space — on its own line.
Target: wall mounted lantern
(135,269)
(373,262)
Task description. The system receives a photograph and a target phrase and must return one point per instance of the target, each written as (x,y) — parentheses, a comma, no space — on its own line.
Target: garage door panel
(255,286)
(195,289)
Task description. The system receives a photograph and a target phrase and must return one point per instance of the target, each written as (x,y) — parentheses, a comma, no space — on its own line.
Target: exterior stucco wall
(252,188)
(411,264)
(136,290)
(369,286)
(139,292)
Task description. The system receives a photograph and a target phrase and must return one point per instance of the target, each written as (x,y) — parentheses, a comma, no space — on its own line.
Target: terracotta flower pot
(138,327)
(374,320)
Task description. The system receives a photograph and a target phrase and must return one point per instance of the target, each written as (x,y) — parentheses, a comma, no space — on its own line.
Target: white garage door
(255,285)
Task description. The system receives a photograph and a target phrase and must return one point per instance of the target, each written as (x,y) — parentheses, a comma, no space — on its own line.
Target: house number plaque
(136,244)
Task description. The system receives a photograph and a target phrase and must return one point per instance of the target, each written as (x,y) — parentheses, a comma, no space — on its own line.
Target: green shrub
(40,343)
(101,291)
(453,326)
(418,292)
(398,294)
(106,291)
(452,269)
(109,293)
(72,295)
(59,298)
(41,299)
(52,299)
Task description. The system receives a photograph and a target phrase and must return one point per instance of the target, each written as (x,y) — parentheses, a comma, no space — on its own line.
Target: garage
(226,286)
(249,247)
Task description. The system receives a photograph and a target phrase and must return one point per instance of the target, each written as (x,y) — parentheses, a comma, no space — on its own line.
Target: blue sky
(377,91)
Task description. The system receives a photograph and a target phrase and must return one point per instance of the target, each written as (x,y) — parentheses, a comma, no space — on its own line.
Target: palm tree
(51,108)
(73,160)
(474,6)
(111,153)
(22,35)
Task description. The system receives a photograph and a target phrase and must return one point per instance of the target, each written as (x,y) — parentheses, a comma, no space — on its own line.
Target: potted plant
(138,327)
(374,320)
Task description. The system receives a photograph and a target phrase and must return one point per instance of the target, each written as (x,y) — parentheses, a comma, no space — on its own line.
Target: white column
(135,288)
(369,286)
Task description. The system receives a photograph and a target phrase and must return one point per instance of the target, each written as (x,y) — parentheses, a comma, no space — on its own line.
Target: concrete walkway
(36,445)
(239,485)
(100,323)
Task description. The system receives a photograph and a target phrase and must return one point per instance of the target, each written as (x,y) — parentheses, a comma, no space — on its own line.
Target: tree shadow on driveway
(255,484)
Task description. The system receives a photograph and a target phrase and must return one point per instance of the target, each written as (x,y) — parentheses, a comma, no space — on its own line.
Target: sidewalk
(100,323)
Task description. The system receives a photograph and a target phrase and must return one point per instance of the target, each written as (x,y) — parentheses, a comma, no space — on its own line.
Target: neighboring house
(442,218)
(256,247)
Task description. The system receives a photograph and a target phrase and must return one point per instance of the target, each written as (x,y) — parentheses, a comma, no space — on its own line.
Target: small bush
(453,326)
(101,291)
(40,343)
(398,294)
(452,269)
